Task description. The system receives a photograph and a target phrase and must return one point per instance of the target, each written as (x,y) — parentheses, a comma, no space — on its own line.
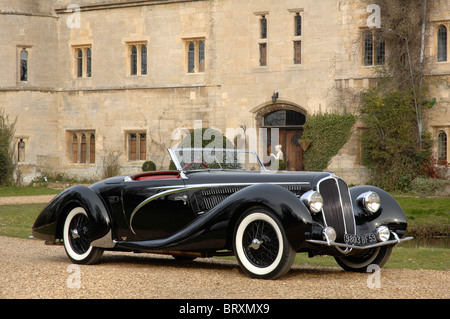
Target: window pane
(262,54)
(83,149)
(144,59)
(133,60)
(380,49)
(263,27)
(276,118)
(132,146)
(368,49)
(298,25)
(74,148)
(297,52)
(442,43)
(79,63)
(201,57)
(143,146)
(23,65)
(88,63)
(295,118)
(92,149)
(442,146)
(191,57)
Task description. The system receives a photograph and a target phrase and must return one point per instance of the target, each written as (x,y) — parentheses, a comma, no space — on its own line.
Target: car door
(156,209)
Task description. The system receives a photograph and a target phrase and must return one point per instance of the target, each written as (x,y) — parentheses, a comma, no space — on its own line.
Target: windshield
(186,159)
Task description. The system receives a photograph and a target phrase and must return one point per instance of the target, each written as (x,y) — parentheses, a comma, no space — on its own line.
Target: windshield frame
(176,161)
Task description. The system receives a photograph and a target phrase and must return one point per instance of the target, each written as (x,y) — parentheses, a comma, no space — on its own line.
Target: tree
(390,142)
(7,130)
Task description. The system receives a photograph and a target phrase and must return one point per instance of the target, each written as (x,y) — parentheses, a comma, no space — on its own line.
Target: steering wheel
(195,162)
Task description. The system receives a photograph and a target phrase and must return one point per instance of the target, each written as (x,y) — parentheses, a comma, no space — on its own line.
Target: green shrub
(149,166)
(390,141)
(7,130)
(328,133)
(428,186)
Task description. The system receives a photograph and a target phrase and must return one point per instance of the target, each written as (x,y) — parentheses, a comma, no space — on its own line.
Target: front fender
(49,223)
(390,213)
(292,213)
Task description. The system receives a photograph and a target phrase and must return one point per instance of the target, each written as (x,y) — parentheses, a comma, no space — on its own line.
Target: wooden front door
(292,151)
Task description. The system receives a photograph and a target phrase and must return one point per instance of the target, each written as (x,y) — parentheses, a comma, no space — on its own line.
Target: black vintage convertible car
(225,202)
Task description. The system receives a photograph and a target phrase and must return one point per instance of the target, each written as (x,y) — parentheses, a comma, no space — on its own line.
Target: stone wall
(232,91)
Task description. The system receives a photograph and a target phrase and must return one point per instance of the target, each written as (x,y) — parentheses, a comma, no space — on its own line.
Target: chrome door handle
(184,198)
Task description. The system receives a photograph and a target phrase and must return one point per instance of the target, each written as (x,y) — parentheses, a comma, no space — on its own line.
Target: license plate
(360,240)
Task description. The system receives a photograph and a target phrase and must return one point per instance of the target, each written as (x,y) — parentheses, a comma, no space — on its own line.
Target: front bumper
(327,242)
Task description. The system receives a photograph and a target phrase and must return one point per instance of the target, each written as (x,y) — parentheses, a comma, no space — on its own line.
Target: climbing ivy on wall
(328,132)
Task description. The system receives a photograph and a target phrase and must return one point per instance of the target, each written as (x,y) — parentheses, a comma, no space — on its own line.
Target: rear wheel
(76,238)
(359,263)
(261,246)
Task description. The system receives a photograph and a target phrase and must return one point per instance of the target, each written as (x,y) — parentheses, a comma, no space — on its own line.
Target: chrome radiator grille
(337,207)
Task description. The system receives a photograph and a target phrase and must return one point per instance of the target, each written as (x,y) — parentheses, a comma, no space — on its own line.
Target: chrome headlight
(370,201)
(313,200)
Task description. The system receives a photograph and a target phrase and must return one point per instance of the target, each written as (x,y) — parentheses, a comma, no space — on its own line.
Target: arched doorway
(289,120)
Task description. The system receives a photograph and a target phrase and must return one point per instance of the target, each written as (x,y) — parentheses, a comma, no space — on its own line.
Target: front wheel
(76,238)
(359,263)
(261,246)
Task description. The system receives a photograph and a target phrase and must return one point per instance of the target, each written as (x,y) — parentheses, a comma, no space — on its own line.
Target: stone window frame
(20,77)
(195,49)
(20,148)
(438,26)
(442,151)
(80,152)
(138,147)
(297,38)
(376,58)
(263,35)
(82,57)
(141,62)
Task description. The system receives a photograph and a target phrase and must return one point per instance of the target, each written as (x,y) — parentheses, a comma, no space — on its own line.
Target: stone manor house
(91,78)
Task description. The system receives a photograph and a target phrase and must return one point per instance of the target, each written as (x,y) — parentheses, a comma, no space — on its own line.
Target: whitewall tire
(261,246)
(76,238)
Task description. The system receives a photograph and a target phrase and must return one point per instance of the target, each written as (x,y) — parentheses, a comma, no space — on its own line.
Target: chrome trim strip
(104,242)
(198,186)
(332,243)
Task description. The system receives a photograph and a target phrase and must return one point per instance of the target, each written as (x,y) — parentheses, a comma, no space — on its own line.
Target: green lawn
(426,215)
(26,191)
(422,213)
(407,258)
(17,220)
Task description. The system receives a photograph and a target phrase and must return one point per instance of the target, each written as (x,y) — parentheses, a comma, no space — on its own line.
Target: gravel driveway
(29,269)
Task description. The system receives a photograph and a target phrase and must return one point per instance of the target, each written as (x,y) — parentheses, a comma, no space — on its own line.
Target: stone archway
(289,120)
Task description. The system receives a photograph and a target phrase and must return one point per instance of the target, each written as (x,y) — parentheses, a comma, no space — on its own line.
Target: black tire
(261,246)
(359,263)
(75,236)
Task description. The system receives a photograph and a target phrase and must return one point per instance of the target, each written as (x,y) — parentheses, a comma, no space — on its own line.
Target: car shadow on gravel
(164,261)
(152,260)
